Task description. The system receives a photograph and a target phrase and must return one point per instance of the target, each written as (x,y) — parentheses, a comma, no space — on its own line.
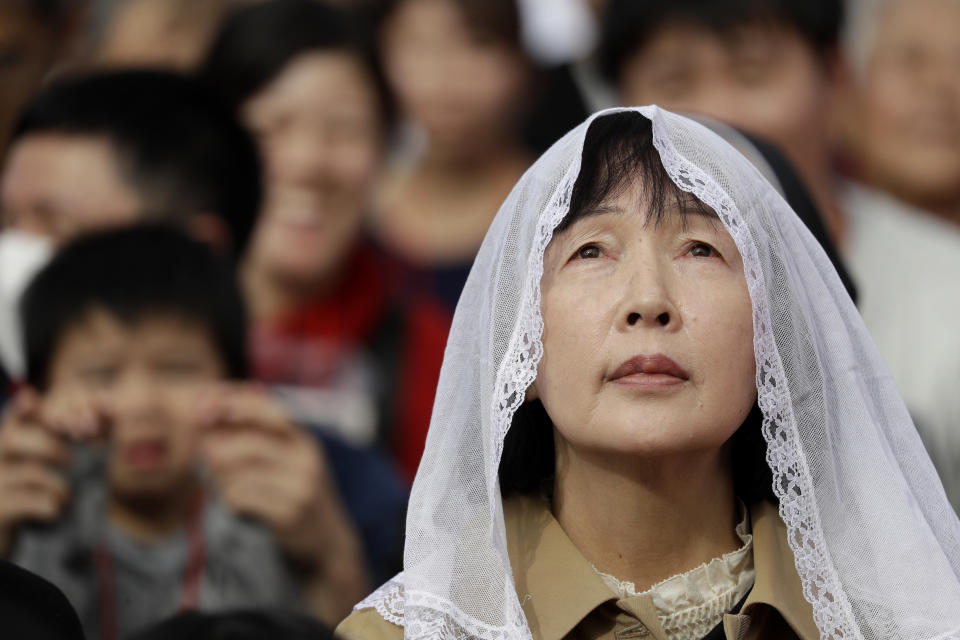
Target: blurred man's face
(908,111)
(148,377)
(57,186)
(26,51)
(762,78)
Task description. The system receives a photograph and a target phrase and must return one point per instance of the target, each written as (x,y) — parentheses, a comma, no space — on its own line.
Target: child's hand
(33,457)
(265,466)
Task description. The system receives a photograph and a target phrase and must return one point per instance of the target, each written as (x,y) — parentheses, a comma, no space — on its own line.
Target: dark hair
(629,24)
(51,13)
(246,624)
(487,20)
(618,149)
(179,149)
(254,45)
(133,272)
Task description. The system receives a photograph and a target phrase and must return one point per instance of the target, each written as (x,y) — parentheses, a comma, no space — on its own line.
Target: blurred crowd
(233,234)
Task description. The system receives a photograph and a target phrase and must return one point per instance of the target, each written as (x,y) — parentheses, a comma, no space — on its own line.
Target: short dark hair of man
(255,43)
(133,273)
(630,24)
(180,150)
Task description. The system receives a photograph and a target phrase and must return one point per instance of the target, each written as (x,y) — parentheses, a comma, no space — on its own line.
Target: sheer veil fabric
(876,544)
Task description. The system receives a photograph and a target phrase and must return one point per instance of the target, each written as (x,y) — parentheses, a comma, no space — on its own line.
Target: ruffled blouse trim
(692,603)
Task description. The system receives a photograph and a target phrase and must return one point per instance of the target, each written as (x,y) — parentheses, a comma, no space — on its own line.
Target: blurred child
(199,491)
(334,329)
(905,118)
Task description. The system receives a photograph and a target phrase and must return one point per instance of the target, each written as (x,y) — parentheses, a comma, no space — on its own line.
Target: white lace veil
(876,543)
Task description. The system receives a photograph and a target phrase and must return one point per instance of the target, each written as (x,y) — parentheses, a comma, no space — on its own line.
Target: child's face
(148,376)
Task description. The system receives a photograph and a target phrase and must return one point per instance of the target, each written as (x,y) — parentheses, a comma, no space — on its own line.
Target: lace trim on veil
(792,482)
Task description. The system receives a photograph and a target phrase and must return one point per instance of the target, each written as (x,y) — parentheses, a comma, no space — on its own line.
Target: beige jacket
(563,597)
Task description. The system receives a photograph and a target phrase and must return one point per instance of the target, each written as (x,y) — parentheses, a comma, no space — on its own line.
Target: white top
(690,604)
(907,268)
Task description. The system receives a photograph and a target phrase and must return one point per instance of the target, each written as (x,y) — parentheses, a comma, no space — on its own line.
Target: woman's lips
(649,371)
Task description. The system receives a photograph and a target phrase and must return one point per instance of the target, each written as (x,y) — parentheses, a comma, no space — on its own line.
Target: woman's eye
(589,252)
(702,250)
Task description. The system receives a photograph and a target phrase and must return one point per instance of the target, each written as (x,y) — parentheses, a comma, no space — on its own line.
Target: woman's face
(648,333)
(318,128)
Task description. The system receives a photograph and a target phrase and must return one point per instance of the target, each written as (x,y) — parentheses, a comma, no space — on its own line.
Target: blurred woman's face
(319,131)
(461,88)
(909,106)
(648,332)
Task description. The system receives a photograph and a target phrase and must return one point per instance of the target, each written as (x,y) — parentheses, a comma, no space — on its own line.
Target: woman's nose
(648,301)
(663,318)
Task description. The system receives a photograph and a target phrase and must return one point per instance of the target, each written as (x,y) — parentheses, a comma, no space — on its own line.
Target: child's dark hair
(629,24)
(179,149)
(618,149)
(243,624)
(132,273)
(255,43)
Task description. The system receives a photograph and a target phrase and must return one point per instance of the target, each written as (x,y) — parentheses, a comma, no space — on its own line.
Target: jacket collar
(777,583)
(558,587)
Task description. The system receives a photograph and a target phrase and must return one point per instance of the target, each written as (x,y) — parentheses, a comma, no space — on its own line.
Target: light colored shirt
(906,265)
(690,604)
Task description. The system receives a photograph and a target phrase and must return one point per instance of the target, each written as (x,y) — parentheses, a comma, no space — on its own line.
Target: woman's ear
(532,393)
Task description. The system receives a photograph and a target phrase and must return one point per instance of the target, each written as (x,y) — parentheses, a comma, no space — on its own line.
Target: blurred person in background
(159,33)
(108,148)
(334,329)
(905,115)
(775,69)
(463,79)
(34,34)
(112,148)
(117,147)
(163,481)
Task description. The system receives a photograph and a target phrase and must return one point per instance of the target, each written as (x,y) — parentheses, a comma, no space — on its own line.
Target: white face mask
(22,255)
